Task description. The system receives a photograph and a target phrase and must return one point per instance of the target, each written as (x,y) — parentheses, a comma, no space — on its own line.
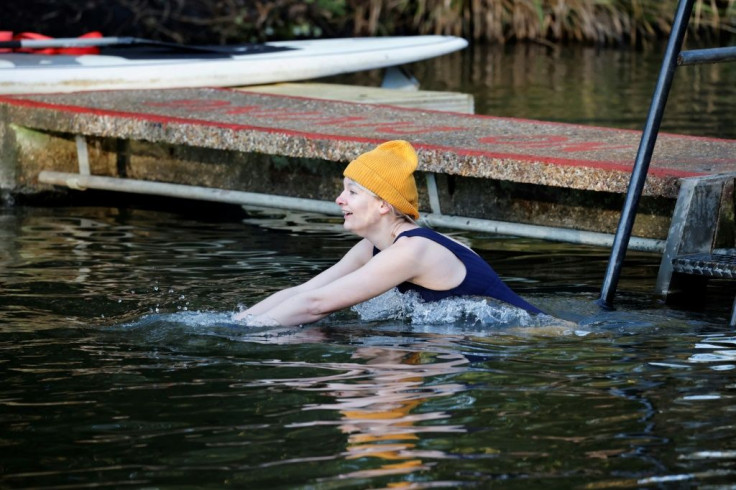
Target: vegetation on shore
(605,22)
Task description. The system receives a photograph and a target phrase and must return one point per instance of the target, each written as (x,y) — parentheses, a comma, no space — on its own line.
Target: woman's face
(360,208)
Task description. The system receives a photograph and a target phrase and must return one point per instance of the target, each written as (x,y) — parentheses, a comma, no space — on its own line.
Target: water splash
(194,327)
(394,305)
(184,319)
(392,310)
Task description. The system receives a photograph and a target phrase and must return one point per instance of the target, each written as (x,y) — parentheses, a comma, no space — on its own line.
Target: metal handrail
(712,55)
(644,154)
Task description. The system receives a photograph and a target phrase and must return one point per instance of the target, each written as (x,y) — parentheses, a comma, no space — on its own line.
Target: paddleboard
(153,67)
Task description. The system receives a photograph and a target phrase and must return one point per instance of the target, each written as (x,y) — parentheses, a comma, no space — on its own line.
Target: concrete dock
(513,170)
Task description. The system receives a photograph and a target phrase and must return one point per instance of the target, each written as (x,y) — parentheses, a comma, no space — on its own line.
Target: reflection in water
(717,350)
(380,413)
(703,393)
(382,401)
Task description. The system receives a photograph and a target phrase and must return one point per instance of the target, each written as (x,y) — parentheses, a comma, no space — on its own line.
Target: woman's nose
(340,200)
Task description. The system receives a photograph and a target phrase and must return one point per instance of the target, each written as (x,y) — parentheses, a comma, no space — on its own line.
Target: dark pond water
(121,368)
(583,85)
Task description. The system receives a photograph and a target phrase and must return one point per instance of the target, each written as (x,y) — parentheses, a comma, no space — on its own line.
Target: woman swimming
(380,203)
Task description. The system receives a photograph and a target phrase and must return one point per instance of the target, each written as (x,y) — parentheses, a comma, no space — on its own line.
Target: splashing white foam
(393,305)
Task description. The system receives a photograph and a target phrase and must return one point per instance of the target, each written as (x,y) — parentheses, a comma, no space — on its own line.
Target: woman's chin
(347,227)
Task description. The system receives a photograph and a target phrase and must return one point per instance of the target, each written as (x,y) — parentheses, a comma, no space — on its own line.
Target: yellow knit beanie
(388,171)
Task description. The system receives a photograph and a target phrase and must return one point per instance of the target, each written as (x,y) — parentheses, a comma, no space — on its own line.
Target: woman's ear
(385,208)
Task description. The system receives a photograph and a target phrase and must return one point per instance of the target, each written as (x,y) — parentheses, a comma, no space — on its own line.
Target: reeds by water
(591,21)
(612,22)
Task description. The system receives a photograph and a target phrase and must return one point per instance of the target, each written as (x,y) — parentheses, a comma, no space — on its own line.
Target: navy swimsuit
(480,278)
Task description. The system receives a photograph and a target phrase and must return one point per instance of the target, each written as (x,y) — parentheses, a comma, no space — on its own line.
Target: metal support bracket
(82,155)
(434,196)
(694,223)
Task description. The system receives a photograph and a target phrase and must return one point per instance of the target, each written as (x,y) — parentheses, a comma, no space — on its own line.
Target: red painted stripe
(569,162)
(484,116)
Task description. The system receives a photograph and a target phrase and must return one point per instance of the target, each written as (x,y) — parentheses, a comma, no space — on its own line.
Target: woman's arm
(356,257)
(391,267)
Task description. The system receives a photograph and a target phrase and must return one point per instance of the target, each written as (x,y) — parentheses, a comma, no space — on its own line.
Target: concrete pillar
(8,158)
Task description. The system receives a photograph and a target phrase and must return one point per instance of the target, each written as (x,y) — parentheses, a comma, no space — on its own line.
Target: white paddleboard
(273,62)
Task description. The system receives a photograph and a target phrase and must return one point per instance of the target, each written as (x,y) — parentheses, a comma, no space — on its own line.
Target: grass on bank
(609,22)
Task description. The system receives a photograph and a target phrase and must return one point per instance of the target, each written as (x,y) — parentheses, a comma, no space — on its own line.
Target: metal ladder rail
(673,57)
